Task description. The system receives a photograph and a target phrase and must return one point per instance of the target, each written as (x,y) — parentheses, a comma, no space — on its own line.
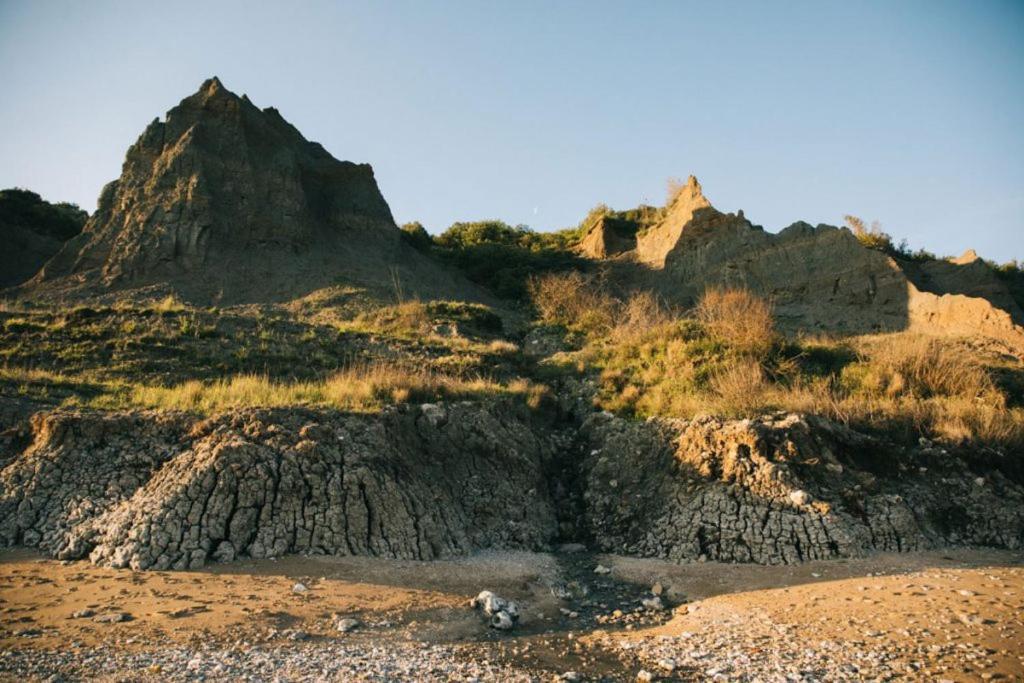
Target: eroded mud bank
(169,490)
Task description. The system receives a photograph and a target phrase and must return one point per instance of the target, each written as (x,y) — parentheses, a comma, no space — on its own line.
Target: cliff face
(819,278)
(168,490)
(223,199)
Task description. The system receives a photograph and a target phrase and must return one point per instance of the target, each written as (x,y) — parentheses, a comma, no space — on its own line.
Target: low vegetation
(725,357)
(502,257)
(360,387)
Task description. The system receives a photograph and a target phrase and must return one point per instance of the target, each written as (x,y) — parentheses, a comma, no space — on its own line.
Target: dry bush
(740,388)
(169,304)
(738,319)
(641,313)
(673,186)
(575,300)
(920,366)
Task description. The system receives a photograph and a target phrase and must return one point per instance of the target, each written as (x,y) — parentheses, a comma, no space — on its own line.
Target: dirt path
(927,616)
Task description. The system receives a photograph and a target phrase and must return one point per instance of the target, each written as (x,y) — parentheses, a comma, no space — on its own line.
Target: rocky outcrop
(151,490)
(32,230)
(225,201)
(784,490)
(608,236)
(166,490)
(654,245)
(819,278)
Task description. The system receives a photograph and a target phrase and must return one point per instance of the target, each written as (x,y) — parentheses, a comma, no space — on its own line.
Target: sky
(910,113)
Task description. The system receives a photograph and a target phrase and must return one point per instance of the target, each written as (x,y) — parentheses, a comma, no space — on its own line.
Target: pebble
(346,624)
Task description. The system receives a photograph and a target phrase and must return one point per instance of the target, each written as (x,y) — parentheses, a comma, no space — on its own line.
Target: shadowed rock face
(158,490)
(223,199)
(165,490)
(32,230)
(783,490)
(608,237)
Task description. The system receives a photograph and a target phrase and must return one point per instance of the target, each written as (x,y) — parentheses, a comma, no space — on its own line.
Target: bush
(738,319)
(574,300)
(503,258)
(416,235)
(925,367)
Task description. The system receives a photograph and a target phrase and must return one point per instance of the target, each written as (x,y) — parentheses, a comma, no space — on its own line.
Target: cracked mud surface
(953,615)
(169,491)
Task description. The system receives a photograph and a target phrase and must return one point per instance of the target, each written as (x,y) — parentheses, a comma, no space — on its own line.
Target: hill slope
(224,201)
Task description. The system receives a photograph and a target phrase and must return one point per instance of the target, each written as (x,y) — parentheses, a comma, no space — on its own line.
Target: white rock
(800,497)
(434,413)
(502,621)
(644,675)
(668,664)
(299,588)
(601,569)
(653,604)
(346,624)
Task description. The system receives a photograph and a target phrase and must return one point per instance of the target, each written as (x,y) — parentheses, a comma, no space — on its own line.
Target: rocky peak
(223,197)
(686,204)
(969,256)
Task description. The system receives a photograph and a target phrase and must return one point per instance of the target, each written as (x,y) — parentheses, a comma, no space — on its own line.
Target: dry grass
(904,385)
(640,314)
(409,318)
(360,387)
(574,300)
(738,318)
(922,367)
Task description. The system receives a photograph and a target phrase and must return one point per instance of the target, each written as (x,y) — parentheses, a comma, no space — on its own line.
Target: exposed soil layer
(171,491)
(163,490)
(787,489)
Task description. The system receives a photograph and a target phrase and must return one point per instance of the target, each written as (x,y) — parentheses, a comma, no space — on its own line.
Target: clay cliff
(819,278)
(226,201)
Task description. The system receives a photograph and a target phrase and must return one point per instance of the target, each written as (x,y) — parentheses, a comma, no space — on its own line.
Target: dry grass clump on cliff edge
(359,387)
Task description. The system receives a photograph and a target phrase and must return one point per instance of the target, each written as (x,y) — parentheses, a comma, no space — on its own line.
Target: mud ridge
(169,490)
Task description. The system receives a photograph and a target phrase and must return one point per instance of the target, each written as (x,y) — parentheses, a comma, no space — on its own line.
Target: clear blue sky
(908,112)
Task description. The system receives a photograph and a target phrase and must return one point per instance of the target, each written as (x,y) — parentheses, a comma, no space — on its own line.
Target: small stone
(502,621)
(601,569)
(299,588)
(346,624)
(800,497)
(489,603)
(653,604)
(645,676)
(668,664)
(83,614)
(657,589)
(112,618)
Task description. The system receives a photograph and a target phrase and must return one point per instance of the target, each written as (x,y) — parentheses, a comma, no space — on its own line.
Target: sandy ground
(957,615)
